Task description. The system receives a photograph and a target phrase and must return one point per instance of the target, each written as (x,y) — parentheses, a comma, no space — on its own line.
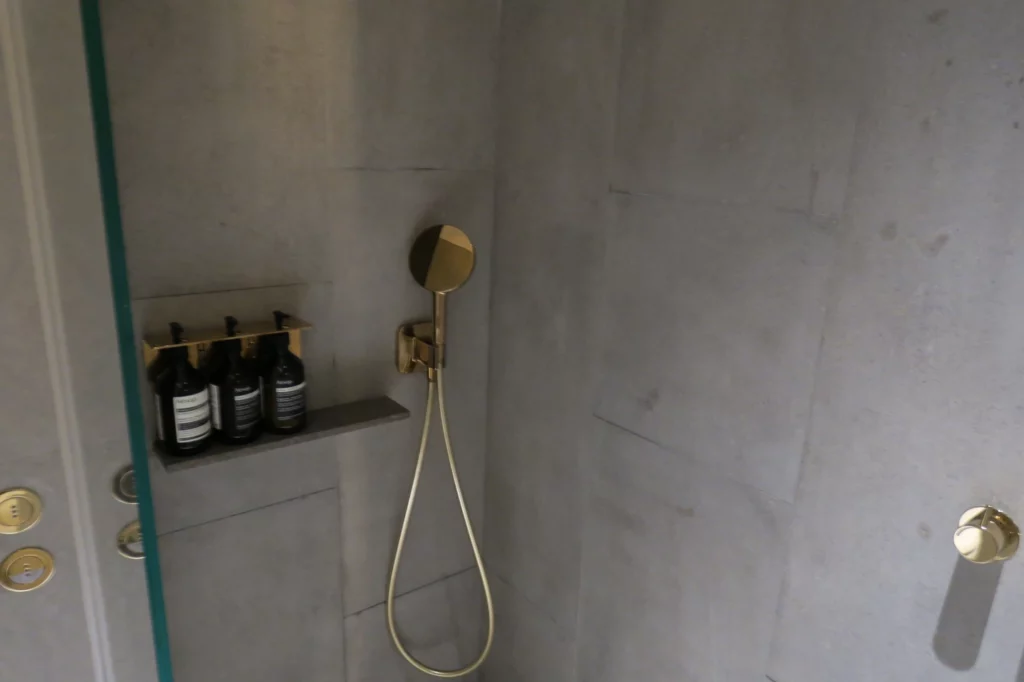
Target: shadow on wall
(965,613)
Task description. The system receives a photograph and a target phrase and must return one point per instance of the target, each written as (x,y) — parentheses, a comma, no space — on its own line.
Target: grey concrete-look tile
(221,133)
(376,216)
(918,413)
(739,103)
(529,645)
(194,496)
(415,84)
(548,256)
(681,568)
(440,625)
(713,328)
(257,596)
(558,73)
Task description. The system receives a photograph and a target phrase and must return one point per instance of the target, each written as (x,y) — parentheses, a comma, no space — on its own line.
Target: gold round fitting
(985,535)
(129,541)
(26,569)
(20,509)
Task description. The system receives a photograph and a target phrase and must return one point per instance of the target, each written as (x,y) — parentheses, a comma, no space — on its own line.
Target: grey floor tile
(738,103)
(377,215)
(257,596)
(221,133)
(681,568)
(712,331)
(440,625)
(414,87)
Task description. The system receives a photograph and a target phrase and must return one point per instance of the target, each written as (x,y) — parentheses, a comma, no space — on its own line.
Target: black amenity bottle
(182,402)
(284,383)
(235,392)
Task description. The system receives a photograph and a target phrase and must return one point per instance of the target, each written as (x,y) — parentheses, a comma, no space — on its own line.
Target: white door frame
(43,53)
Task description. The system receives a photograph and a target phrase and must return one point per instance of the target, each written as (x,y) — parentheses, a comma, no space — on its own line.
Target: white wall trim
(31,168)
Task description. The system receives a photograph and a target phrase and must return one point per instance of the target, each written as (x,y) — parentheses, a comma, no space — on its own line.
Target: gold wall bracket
(199,341)
(414,348)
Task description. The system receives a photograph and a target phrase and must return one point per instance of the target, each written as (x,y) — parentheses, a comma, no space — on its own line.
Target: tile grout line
(346,616)
(247,511)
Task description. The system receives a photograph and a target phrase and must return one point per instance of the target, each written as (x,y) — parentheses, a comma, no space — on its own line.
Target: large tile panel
(739,102)
(375,217)
(681,568)
(918,399)
(440,624)
(414,85)
(529,645)
(556,100)
(542,376)
(712,331)
(257,596)
(557,79)
(220,126)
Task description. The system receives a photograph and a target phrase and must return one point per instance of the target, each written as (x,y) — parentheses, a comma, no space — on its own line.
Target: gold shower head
(442,259)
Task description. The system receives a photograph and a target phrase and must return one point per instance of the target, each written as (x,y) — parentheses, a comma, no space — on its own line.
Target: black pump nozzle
(231,325)
(177,332)
(279,318)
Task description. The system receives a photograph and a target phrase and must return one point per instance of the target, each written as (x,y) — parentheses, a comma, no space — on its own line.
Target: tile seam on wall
(413,590)
(232,290)
(595,326)
(708,469)
(831,287)
(410,169)
(247,511)
(727,203)
(540,610)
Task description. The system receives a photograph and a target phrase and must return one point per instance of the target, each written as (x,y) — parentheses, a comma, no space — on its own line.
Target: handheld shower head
(441,261)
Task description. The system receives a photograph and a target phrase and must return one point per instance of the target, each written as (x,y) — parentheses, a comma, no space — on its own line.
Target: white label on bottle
(247,409)
(192,417)
(159,419)
(215,406)
(291,401)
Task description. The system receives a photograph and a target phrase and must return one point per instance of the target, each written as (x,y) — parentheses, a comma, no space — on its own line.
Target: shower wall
(283,155)
(756,339)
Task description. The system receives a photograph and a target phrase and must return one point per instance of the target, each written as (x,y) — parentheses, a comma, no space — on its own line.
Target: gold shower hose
(469,530)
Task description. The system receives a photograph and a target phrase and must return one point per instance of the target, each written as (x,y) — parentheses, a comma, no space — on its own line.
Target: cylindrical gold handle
(985,535)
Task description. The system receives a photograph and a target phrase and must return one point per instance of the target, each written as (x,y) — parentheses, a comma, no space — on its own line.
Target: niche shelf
(320,424)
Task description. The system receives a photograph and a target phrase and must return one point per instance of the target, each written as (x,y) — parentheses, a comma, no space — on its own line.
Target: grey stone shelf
(329,421)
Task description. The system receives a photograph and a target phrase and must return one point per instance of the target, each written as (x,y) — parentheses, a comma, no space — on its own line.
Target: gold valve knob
(986,535)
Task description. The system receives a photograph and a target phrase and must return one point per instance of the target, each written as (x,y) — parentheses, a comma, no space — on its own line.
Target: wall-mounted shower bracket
(414,347)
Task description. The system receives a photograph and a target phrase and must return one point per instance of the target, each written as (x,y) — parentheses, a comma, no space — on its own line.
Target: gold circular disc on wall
(20,509)
(26,569)
(124,485)
(442,259)
(129,541)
